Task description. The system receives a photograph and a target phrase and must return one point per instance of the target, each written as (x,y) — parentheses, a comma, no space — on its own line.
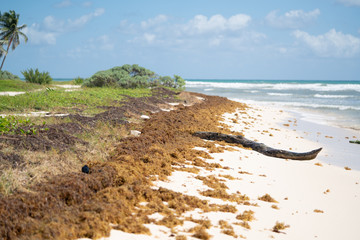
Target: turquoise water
(329,102)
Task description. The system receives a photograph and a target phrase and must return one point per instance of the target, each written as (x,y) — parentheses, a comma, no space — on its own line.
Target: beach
(160,181)
(314,199)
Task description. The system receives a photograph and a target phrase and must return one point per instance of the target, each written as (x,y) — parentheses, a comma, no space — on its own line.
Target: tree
(10,33)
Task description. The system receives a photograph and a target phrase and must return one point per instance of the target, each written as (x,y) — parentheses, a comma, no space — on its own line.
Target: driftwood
(259,147)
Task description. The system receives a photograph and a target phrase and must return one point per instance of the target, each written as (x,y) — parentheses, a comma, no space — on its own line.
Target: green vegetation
(17,85)
(5,75)
(132,76)
(37,76)
(59,99)
(78,81)
(12,125)
(10,33)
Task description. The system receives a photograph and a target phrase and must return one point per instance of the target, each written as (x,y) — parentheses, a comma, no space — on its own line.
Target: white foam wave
(299,104)
(279,94)
(331,96)
(277,86)
(209,89)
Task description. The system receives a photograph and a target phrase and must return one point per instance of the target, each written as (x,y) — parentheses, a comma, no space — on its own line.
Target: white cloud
(330,44)
(199,31)
(149,37)
(92,46)
(63,4)
(215,24)
(154,21)
(105,43)
(350,2)
(87,4)
(36,36)
(292,19)
(55,25)
(51,28)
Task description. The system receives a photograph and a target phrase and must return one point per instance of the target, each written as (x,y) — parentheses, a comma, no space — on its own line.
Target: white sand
(68,86)
(10,93)
(299,187)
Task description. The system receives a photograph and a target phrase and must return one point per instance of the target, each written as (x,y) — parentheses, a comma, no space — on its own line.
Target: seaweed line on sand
(77,205)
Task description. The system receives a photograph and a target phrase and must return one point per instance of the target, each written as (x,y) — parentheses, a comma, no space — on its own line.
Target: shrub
(78,81)
(5,75)
(132,76)
(36,76)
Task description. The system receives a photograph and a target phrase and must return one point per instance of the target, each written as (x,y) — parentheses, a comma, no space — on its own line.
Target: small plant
(35,76)
(78,81)
(11,125)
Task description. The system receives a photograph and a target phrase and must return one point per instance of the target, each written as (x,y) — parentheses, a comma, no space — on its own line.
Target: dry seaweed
(77,205)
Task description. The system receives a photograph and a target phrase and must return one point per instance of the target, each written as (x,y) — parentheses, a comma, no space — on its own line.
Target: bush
(132,76)
(36,76)
(5,75)
(78,81)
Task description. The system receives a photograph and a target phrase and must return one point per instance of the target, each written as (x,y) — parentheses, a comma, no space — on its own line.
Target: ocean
(335,103)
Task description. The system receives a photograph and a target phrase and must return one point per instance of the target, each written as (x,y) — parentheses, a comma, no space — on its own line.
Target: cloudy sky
(217,39)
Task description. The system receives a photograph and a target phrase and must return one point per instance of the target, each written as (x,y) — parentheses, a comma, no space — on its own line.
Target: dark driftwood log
(259,147)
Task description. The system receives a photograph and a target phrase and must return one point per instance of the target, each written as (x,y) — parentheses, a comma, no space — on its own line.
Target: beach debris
(279,226)
(267,198)
(135,133)
(259,147)
(356,142)
(85,169)
(144,117)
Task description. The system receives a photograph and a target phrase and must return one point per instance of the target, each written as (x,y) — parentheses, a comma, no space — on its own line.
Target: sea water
(335,103)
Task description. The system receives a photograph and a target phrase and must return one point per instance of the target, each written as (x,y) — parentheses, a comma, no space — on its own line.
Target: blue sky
(227,39)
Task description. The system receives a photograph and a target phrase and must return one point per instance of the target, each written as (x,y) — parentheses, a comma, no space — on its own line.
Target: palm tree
(10,32)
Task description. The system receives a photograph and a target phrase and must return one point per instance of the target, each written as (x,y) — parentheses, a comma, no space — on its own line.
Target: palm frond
(24,36)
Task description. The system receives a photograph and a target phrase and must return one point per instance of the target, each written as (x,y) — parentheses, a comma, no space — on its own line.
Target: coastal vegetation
(132,76)
(10,33)
(17,86)
(35,76)
(5,75)
(59,100)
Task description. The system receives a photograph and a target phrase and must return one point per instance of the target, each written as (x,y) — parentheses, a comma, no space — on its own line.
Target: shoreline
(317,200)
(334,139)
(167,184)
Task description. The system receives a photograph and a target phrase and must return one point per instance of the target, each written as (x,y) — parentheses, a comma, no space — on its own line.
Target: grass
(57,100)
(18,86)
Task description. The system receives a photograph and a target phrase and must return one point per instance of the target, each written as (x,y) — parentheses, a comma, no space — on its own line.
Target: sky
(196,39)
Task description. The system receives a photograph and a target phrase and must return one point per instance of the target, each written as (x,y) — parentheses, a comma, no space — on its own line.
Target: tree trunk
(259,147)
(2,64)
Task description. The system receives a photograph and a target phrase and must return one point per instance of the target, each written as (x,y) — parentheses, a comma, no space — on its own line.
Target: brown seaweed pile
(79,205)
